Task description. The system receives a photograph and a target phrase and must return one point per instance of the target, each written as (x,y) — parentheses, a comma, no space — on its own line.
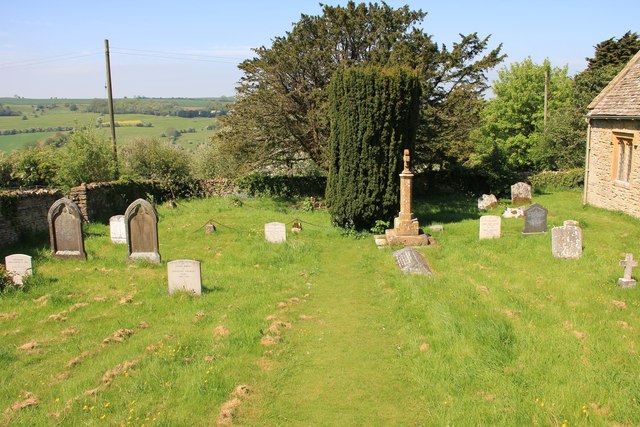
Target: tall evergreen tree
(280,115)
(373,116)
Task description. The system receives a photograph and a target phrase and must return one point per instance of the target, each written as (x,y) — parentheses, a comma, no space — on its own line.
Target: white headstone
(566,241)
(184,275)
(18,267)
(275,232)
(118,229)
(490,227)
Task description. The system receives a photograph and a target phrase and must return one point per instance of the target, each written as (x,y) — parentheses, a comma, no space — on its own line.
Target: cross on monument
(628,263)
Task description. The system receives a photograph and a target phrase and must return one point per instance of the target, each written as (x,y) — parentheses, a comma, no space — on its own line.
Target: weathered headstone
(571,222)
(209,228)
(141,223)
(490,227)
(117,229)
(628,263)
(275,232)
(487,201)
(184,275)
(513,213)
(520,194)
(566,241)
(18,267)
(411,261)
(65,230)
(535,220)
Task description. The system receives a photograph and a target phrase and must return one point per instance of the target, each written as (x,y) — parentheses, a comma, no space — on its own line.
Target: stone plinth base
(626,283)
(416,240)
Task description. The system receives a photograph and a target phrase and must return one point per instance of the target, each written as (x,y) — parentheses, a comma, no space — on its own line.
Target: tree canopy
(281,112)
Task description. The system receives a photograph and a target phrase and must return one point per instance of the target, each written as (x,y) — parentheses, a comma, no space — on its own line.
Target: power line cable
(34,62)
(177,54)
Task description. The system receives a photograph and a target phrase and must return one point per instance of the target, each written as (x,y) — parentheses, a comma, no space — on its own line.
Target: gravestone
(209,228)
(18,267)
(628,263)
(411,261)
(487,201)
(566,242)
(490,227)
(275,232)
(513,213)
(117,229)
(141,226)
(184,275)
(571,222)
(535,220)
(520,194)
(65,230)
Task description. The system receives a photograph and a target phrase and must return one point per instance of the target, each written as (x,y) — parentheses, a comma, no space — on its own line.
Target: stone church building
(612,175)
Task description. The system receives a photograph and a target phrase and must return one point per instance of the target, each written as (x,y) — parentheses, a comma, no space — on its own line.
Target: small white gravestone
(18,267)
(275,232)
(118,229)
(628,263)
(566,241)
(490,227)
(184,275)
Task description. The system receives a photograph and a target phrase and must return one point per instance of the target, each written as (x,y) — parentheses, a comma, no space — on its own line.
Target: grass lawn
(325,330)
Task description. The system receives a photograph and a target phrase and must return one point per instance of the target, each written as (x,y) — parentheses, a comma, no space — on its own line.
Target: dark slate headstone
(65,230)
(141,223)
(535,220)
(411,261)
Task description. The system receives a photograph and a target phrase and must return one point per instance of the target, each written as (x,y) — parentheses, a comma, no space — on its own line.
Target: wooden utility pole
(546,95)
(112,121)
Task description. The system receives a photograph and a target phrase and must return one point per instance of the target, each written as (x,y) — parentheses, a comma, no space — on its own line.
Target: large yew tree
(281,111)
(374,115)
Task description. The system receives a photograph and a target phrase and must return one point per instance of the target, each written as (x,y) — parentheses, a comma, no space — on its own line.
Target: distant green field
(182,102)
(9,143)
(63,117)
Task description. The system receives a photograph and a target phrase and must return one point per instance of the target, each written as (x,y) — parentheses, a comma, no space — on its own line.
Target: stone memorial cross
(628,263)
(406,229)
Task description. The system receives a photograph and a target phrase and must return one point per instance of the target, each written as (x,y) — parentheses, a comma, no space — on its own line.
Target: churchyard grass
(325,329)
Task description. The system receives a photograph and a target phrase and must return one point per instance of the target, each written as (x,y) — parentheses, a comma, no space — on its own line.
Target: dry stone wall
(24,212)
(601,188)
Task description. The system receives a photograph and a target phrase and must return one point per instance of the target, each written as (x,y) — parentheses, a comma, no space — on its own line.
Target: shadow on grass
(35,245)
(211,289)
(445,209)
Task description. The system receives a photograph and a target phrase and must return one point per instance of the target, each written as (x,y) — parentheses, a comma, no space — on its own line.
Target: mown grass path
(342,366)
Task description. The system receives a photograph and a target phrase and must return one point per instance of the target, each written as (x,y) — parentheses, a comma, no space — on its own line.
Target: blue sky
(192,48)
